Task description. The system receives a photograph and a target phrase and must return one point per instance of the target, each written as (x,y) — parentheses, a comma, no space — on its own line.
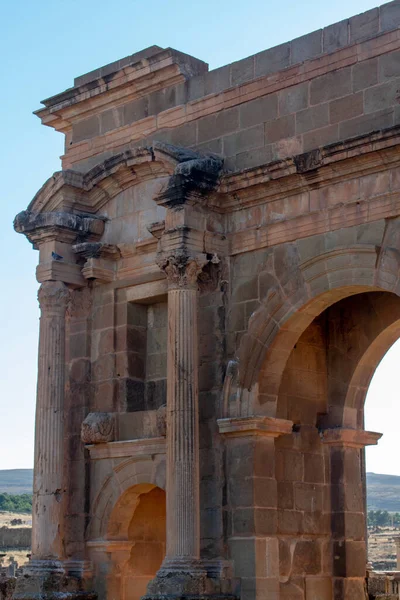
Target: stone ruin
(219,265)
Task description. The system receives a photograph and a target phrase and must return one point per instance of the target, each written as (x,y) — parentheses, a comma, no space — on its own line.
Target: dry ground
(5,521)
(382,548)
(7,517)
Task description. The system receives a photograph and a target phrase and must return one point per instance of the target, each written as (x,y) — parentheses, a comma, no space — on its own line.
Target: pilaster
(45,576)
(251,508)
(349,549)
(48,487)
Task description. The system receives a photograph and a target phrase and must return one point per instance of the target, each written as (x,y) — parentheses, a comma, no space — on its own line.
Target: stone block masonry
(229,283)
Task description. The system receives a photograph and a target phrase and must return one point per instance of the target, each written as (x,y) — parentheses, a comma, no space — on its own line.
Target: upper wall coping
(117,65)
(202,82)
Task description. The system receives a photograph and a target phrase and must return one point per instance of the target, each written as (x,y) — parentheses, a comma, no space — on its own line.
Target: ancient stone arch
(319,282)
(219,270)
(118,496)
(126,534)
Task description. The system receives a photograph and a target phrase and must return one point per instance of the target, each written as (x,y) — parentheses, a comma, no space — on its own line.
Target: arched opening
(136,541)
(382,410)
(147,531)
(316,374)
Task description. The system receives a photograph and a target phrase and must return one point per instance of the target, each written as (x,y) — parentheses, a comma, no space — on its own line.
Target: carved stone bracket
(96,250)
(100,260)
(98,428)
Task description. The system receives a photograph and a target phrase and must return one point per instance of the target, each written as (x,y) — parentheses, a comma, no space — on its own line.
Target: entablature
(196,192)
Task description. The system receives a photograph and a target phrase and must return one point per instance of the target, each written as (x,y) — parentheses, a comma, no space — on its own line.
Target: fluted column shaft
(49,429)
(183,503)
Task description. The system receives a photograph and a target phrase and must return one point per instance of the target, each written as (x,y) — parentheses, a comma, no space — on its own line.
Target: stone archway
(320,467)
(303,279)
(133,548)
(120,508)
(147,532)
(307,359)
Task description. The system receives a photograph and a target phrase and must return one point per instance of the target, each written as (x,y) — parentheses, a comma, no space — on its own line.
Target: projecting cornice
(318,168)
(58,225)
(117,84)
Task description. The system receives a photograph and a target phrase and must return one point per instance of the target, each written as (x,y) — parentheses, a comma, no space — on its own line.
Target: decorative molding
(254,426)
(136,449)
(60,271)
(349,438)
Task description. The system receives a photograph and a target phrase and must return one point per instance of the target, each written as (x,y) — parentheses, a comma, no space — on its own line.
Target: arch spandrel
(285,310)
(116,492)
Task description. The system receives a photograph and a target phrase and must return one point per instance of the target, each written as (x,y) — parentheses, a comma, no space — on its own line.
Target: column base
(47,580)
(185,579)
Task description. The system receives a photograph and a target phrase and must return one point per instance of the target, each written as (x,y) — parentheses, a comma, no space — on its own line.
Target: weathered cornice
(58,224)
(183,170)
(192,181)
(317,168)
(70,190)
(165,67)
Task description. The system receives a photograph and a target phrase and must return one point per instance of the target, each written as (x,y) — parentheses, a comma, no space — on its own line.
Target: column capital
(349,438)
(53,296)
(182,269)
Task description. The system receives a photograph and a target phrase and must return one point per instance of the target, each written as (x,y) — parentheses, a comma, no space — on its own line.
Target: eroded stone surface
(219,261)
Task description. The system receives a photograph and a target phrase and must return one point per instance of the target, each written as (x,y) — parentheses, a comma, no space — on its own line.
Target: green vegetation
(382,518)
(18,503)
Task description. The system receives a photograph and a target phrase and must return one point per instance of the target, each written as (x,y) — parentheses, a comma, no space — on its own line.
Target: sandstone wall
(329,85)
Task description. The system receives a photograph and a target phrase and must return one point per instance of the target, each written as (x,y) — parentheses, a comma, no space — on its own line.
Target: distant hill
(16,481)
(383,492)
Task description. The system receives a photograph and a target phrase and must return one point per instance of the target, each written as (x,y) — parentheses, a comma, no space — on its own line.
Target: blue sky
(43,46)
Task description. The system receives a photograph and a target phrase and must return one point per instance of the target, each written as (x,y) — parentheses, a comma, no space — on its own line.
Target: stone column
(48,493)
(183,478)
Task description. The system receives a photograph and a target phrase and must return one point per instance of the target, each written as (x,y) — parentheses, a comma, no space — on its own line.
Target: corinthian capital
(53,297)
(181,269)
